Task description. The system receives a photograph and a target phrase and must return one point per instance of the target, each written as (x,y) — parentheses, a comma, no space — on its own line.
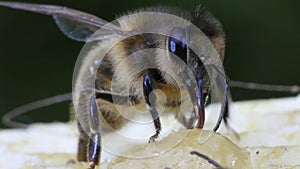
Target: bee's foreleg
(94,152)
(82,144)
(148,88)
(94,144)
(201,111)
(224,108)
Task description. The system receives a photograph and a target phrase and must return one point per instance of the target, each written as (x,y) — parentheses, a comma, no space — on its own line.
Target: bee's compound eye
(177,43)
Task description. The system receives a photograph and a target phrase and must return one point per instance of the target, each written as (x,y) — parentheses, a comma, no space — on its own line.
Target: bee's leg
(224,109)
(148,88)
(94,152)
(201,113)
(82,144)
(94,143)
(198,100)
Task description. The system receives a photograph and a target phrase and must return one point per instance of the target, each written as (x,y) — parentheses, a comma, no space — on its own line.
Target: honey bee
(144,62)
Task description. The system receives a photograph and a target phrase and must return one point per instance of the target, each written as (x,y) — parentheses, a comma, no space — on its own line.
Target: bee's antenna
(294,89)
(7,119)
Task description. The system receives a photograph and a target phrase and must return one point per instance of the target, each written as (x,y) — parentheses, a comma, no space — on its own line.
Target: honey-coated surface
(268,130)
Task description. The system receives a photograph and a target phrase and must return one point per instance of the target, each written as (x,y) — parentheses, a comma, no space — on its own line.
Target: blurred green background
(37,59)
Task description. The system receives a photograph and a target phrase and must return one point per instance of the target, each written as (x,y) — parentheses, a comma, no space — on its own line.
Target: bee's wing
(77,25)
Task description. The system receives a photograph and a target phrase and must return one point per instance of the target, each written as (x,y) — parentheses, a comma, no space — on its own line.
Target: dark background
(37,59)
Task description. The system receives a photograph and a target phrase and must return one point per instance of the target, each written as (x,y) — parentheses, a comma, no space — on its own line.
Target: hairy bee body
(123,66)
